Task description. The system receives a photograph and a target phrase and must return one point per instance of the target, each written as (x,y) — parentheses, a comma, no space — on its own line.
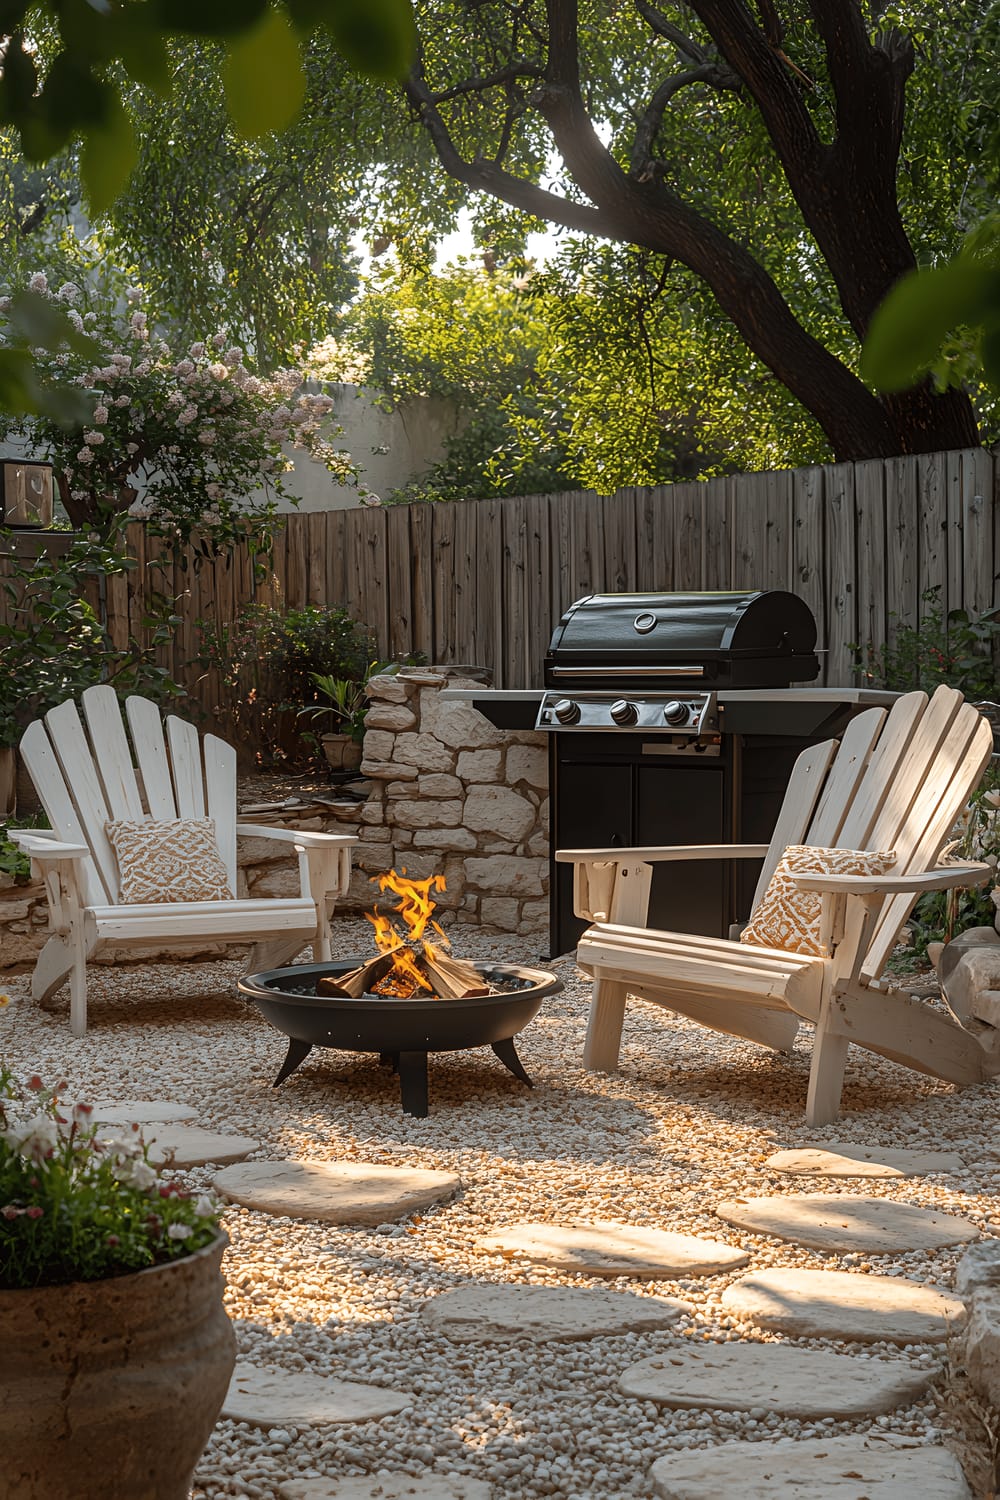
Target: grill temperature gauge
(675,712)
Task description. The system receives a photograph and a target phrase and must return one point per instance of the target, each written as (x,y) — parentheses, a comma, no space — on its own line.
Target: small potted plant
(347,703)
(117,1348)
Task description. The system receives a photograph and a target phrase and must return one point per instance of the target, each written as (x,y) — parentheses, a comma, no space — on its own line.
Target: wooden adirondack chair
(898,781)
(83,783)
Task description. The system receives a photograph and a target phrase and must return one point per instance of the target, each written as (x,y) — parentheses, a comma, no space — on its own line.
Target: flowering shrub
(79,1205)
(181,440)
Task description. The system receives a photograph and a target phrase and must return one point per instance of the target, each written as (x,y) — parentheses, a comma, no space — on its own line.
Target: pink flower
(9,1211)
(34,1212)
(196,351)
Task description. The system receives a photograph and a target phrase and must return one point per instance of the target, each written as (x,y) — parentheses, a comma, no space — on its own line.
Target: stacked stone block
(453,795)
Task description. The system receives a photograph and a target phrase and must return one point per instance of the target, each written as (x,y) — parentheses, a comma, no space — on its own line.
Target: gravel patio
(688,1122)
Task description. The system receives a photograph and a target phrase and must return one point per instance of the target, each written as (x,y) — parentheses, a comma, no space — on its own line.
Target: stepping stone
(501,1314)
(839,1160)
(277,1398)
(850,1468)
(611,1249)
(388,1487)
(335,1192)
(190,1146)
(839,1305)
(794,1382)
(841,1221)
(141,1112)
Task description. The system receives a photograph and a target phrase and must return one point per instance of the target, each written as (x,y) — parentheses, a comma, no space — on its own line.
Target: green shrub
(954,648)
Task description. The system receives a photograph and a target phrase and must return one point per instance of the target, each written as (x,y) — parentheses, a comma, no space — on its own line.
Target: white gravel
(690,1120)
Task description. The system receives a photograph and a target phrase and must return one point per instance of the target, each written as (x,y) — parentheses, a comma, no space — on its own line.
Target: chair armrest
(306,839)
(659,853)
(41,848)
(942,879)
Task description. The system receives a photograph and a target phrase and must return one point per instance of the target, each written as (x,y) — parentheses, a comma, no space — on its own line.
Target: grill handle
(627,671)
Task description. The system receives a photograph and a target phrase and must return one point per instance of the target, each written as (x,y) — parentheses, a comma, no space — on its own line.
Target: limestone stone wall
(453,795)
(448,794)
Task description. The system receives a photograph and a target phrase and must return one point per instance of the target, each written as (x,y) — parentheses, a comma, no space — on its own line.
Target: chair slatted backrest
(896,781)
(82,781)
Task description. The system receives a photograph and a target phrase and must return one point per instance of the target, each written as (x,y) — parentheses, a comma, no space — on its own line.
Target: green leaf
(18,386)
(41,323)
(263,77)
(908,329)
(989,353)
(106,162)
(210,17)
(143,53)
(73,97)
(376,36)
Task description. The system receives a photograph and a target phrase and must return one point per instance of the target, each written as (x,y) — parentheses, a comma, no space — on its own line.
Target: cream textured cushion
(788,918)
(174,860)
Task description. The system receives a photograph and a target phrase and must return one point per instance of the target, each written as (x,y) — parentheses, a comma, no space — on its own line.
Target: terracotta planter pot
(342,753)
(110,1389)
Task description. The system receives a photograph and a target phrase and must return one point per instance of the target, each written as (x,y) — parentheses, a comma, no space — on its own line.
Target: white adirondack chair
(83,783)
(898,781)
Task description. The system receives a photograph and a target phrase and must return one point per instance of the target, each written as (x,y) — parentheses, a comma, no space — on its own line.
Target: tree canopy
(796,158)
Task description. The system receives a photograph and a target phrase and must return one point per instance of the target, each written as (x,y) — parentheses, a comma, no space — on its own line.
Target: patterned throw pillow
(174,860)
(788,918)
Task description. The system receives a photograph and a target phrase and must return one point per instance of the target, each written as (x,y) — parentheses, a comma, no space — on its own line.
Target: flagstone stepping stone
(850,1468)
(841,1221)
(190,1146)
(274,1398)
(141,1112)
(794,1382)
(336,1192)
(840,1160)
(839,1305)
(611,1249)
(502,1314)
(388,1487)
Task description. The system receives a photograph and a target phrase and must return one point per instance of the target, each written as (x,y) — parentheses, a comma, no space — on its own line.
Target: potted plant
(117,1348)
(347,703)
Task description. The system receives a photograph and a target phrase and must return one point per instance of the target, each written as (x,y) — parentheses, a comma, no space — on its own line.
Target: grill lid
(763,638)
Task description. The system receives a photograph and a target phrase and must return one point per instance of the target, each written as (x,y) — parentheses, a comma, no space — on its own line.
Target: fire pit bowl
(402,1032)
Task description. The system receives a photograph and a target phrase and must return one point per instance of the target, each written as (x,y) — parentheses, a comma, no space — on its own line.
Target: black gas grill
(672,720)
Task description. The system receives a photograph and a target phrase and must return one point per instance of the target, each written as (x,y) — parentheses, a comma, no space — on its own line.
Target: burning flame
(408,941)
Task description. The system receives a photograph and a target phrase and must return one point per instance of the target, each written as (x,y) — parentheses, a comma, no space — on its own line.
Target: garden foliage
(79,1203)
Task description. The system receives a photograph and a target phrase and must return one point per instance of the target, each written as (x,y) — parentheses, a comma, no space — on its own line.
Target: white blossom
(196,351)
(69,292)
(85,456)
(93,438)
(38,282)
(206,437)
(205,1208)
(179,1231)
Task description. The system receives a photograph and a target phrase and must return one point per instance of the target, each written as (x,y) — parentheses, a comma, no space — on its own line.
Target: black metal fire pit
(402,1032)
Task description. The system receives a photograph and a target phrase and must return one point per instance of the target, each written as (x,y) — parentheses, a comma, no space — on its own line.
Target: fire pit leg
(413,1083)
(507,1054)
(297,1053)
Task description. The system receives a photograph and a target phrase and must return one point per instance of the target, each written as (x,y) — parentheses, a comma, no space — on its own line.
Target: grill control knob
(624,712)
(675,712)
(566,711)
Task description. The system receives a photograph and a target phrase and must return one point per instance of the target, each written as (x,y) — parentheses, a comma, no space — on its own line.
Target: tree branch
(652,115)
(490,177)
(477,85)
(659,23)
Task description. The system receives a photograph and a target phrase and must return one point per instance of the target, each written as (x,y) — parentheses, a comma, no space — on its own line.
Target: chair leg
(322,949)
(604,1029)
(78,987)
(52,966)
(826,1077)
(273,954)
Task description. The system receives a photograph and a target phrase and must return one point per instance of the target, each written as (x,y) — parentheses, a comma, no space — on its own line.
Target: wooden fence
(485,581)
